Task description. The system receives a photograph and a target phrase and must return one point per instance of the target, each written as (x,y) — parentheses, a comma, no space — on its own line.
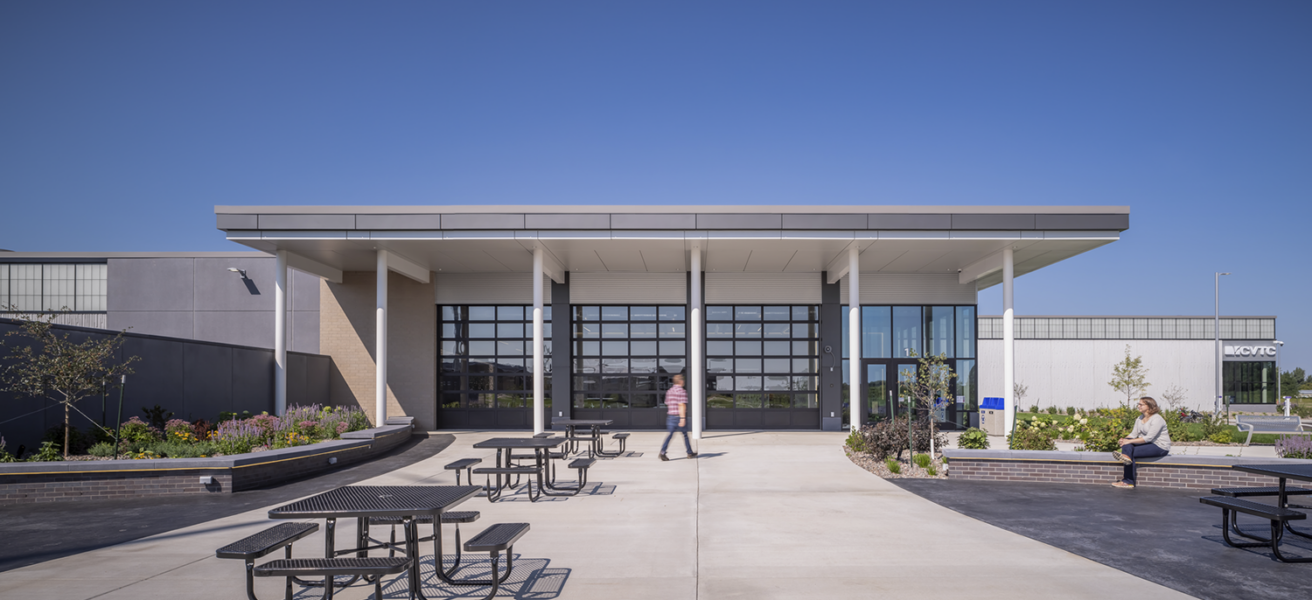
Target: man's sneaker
(1123,485)
(692,455)
(663,457)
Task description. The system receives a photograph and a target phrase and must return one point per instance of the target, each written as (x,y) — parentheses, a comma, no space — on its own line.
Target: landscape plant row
(178,438)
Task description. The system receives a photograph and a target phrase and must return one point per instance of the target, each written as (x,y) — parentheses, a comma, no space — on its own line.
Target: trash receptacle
(993,416)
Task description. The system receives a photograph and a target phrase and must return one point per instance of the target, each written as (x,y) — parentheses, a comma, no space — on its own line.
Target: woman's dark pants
(1138,451)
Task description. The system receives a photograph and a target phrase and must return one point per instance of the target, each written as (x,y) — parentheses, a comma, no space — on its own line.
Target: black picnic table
(539,446)
(596,444)
(1283,473)
(365,501)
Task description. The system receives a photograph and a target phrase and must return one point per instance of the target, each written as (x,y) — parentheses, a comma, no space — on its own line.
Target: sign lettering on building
(1248,351)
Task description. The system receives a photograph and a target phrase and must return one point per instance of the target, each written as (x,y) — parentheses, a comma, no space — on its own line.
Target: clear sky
(123,123)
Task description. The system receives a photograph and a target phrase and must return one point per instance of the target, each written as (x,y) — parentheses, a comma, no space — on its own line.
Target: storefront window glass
(1250,382)
(639,349)
(773,362)
(487,356)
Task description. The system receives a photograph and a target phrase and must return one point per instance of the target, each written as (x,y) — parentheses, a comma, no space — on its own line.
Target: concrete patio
(757,515)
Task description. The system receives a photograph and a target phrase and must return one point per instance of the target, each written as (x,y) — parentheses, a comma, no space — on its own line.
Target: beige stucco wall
(346,313)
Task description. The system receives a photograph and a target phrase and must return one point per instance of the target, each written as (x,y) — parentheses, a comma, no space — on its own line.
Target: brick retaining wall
(22,483)
(1100,468)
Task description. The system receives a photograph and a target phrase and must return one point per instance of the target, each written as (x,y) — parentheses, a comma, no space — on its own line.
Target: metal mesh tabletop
(1303,472)
(377,501)
(520,443)
(582,422)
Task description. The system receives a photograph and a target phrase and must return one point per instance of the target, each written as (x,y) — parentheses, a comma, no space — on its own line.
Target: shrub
(135,430)
(973,439)
(102,449)
(931,471)
(5,456)
(893,466)
(49,452)
(855,441)
(1031,439)
(889,437)
(157,416)
(1221,437)
(1294,446)
(1052,410)
(1070,410)
(181,449)
(923,461)
(1034,409)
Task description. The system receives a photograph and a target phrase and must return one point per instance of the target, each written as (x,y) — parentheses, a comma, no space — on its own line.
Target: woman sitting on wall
(1149,438)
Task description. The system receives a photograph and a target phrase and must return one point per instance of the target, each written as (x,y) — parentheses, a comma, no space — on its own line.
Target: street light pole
(1279,398)
(1216,332)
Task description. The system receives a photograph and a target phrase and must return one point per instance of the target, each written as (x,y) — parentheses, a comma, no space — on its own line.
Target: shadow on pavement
(35,533)
(1162,535)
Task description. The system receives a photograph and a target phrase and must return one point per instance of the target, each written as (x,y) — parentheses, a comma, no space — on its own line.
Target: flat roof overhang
(967,240)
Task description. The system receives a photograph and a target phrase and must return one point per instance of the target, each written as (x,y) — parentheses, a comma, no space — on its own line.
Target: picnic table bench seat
(1278,516)
(1269,424)
(493,496)
(466,464)
(374,567)
(1245,492)
(494,540)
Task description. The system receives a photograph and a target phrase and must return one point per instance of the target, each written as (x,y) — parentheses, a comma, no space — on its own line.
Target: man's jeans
(1138,451)
(672,425)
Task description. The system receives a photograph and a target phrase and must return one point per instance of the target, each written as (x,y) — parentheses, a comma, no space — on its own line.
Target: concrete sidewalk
(773,515)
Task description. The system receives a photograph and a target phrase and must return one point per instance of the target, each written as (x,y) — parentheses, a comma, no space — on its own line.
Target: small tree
(1129,377)
(1018,391)
(53,367)
(1174,397)
(932,383)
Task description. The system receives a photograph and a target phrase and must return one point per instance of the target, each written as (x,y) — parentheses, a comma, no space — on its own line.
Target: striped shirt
(675,396)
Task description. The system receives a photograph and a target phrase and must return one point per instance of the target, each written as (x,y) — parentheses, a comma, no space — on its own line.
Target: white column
(856,411)
(280,334)
(539,404)
(696,385)
(1008,340)
(380,343)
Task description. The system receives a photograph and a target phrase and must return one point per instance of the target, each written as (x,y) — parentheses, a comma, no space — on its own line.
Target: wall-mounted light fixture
(241,272)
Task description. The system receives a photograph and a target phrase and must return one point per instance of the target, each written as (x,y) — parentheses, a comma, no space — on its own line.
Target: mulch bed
(909,471)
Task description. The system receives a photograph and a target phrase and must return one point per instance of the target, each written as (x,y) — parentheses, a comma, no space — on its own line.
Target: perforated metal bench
(261,544)
(466,464)
(494,540)
(1278,516)
(494,494)
(621,437)
(332,567)
(1273,424)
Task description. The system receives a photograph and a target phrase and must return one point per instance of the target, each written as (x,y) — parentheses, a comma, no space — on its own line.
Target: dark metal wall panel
(822,222)
(575,221)
(562,356)
(1083,222)
(307,222)
(653,221)
(296,375)
(740,221)
(1004,222)
(483,221)
(252,380)
(399,222)
(241,328)
(831,336)
(168,324)
(207,381)
(237,222)
(917,221)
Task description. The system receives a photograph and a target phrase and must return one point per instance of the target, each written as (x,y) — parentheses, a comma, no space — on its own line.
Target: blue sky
(123,123)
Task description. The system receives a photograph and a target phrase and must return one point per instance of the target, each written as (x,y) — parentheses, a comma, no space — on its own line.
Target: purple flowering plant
(1294,446)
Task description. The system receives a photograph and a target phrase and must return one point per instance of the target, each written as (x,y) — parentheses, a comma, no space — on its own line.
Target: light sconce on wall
(241,272)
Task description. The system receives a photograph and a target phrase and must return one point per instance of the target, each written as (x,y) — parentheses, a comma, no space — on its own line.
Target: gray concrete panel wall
(228,222)
(831,335)
(562,359)
(199,298)
(150,284)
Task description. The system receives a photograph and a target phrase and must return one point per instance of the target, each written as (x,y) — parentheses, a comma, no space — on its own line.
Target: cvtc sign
(1249,351)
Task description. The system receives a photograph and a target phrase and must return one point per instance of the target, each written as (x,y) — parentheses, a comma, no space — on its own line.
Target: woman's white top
(1153,431)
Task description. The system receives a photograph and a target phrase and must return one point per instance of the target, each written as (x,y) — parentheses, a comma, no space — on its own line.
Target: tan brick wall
(346,333)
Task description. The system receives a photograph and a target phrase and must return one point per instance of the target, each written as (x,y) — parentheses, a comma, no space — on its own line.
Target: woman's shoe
(1122,484)
(1121,457)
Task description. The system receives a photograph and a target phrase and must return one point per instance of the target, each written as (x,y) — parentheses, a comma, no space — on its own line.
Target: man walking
(676,402)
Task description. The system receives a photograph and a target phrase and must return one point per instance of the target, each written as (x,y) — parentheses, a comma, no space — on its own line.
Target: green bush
(855,441)
(973,439)
(889,437)
(101,449)
(893,466)
(1221,437)
(49,452)
(135,430)
(1070,410)
(923,461)
(181,449)
(931,471)
(1031,439)
(1052,410)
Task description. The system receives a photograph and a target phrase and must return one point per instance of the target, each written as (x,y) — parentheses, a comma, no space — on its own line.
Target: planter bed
(1099,468)
(66,481)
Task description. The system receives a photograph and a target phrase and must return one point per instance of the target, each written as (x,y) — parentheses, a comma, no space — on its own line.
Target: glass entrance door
(884,383)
